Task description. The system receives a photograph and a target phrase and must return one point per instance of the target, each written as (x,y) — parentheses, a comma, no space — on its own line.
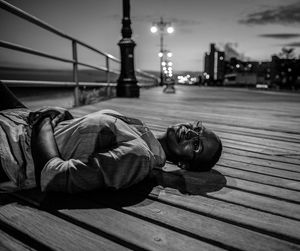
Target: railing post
(75,73)
(108,88)
(107,69)
(127,83)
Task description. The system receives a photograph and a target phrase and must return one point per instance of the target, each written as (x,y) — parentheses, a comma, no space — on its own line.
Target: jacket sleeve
(70,176)
(127,164)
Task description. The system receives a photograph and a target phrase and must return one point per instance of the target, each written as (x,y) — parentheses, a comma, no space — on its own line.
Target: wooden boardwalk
(250,201)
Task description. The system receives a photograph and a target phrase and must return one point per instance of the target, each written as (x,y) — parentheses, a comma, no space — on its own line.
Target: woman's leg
(8,100)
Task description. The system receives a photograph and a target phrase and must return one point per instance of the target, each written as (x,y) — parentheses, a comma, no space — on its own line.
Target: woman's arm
(43,146)
(52,173)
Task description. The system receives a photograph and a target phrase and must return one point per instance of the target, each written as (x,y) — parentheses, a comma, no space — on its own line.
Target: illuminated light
(237,66)
(165,72)
(170,29)
(289,69)
(164,68)
(249,65)
(207,76)
(169,54)
(170,64)
(153,29)
(170,74)
(221,58)
(188,75)
(163,63)
(160,54)
(170,68)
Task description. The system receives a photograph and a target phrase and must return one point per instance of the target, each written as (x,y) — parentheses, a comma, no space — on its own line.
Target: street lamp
(161,27)
(127,83)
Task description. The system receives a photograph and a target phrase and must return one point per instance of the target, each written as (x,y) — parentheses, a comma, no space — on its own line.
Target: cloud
(280,35)
(294,44)
(284,14)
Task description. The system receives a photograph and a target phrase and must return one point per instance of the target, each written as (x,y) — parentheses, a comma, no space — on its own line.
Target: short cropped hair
(201,166)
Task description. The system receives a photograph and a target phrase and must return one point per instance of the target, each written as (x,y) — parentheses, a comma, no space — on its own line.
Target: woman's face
(185,140)
(189,142)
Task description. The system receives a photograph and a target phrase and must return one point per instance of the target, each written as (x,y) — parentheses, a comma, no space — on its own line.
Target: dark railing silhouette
(74,61)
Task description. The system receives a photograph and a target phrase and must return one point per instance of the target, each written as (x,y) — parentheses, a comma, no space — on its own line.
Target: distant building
(214,66)
(285,73)
(220,69)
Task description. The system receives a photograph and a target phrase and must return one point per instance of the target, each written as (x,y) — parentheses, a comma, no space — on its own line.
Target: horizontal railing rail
(75,42)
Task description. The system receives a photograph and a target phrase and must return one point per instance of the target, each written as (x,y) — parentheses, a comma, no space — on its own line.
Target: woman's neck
(162,139)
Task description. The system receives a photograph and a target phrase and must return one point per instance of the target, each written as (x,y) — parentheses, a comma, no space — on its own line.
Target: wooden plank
(270,143)
(259,178)
(261,159)
(53,232)
(261,149)
(8,242)
(263,189)
(274,172)
(266,204)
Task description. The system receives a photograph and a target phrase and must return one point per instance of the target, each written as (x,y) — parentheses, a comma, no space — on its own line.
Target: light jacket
(100,150)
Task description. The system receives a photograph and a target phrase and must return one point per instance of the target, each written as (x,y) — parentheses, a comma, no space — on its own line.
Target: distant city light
(289,69)
(153,29)
(221,58)
(249,65)
(169,54)
(164,68)
(170,68)
(170,29)
(160,54)
(163,63)
(207,76)
(170,63)
(237,66)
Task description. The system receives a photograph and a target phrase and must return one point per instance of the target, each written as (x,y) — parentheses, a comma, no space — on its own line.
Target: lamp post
(127,83)
(167,63)
(161,27)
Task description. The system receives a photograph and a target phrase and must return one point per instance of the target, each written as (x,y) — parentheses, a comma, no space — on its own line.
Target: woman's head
(192,146)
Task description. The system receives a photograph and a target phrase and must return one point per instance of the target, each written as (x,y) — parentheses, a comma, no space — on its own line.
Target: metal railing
(75,42)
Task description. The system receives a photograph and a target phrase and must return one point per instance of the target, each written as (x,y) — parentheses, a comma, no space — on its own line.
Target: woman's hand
(56,114)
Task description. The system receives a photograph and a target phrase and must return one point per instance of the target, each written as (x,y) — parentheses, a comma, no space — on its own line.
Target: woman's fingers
(58,118)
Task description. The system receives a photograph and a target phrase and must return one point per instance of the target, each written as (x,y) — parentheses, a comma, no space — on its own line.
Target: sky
(256,29)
